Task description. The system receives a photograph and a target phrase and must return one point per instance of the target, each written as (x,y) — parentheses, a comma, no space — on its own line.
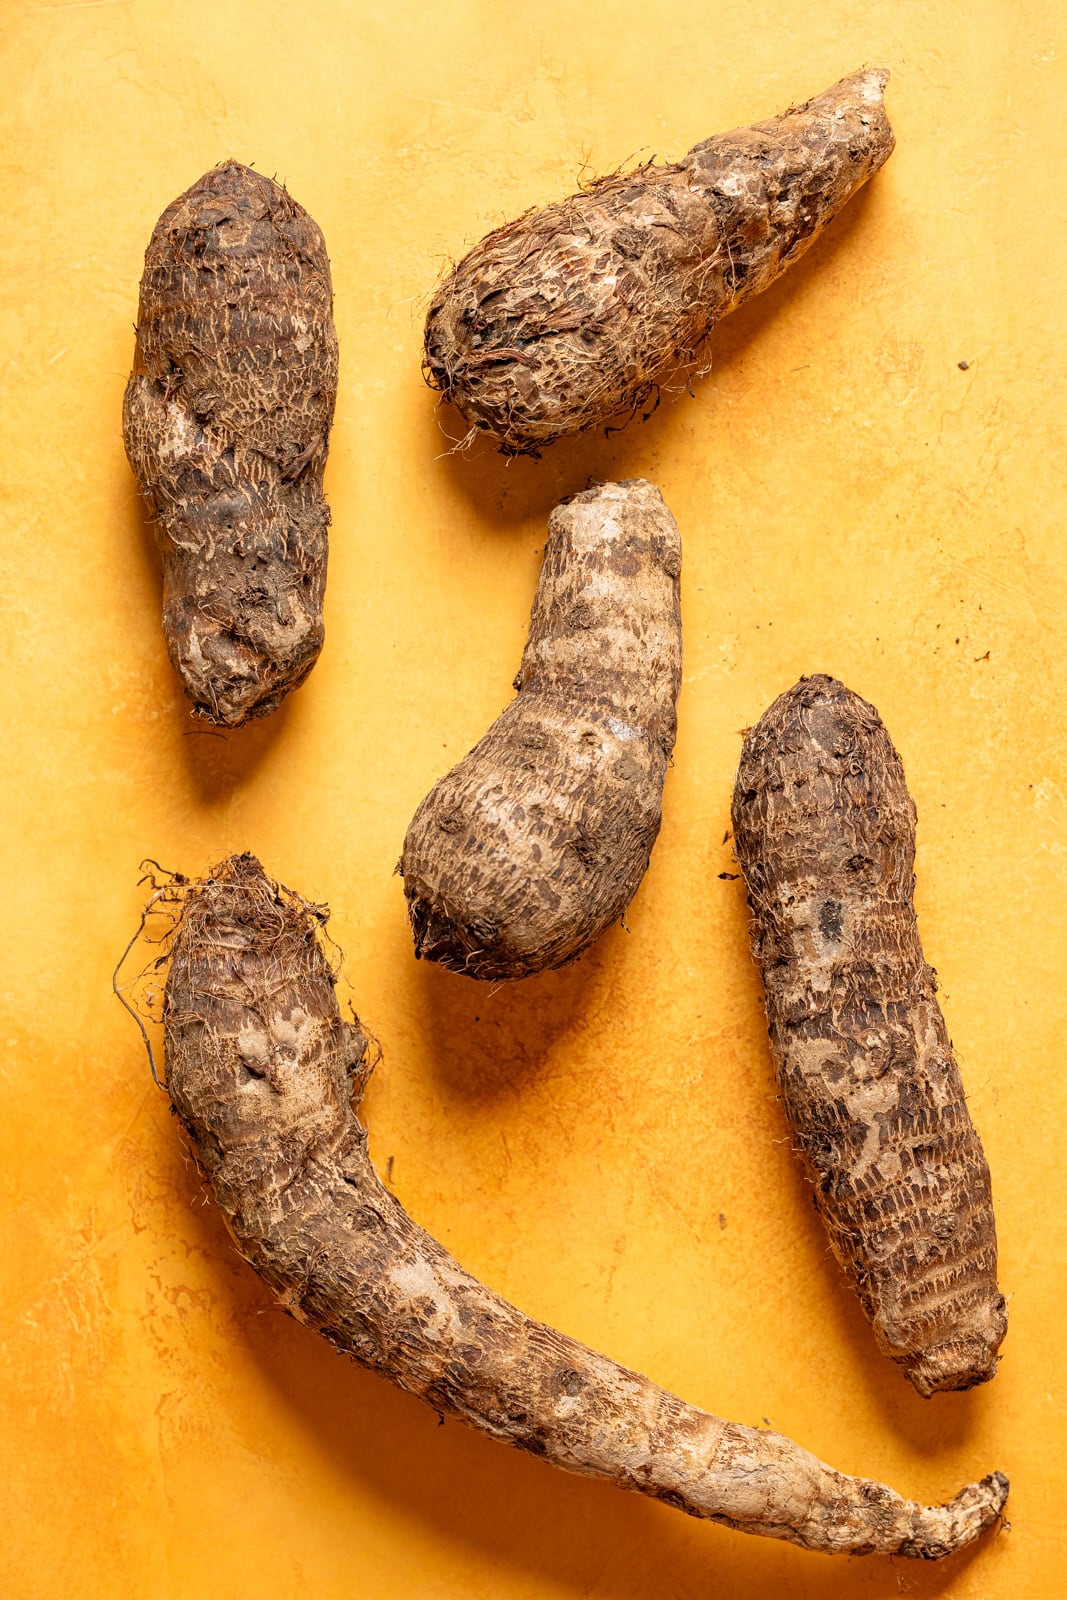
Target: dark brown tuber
(824,832)
(226,421)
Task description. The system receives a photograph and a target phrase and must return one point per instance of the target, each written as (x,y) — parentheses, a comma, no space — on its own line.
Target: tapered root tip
(871,82)
(930,1377)
(938,1531)
(855,108)
(867,84)
(861,94)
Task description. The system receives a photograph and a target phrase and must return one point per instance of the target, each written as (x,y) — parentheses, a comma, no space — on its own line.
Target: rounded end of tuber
(968,1357)
(956,1365)
(230,677)
(233,179)
(493,946)
(464,946)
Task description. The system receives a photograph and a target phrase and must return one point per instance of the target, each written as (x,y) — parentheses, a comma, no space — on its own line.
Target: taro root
(226,422)
(266,1076)
(824,832)
(577,314)
(537,840)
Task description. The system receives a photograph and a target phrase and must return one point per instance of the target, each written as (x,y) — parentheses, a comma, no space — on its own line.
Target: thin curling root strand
(579,313)
(262,1071)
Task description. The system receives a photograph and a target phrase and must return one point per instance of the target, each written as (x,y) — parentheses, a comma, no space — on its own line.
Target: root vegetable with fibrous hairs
(824,832)
(226,421)
(266,1077)
(522,855)
(577,313)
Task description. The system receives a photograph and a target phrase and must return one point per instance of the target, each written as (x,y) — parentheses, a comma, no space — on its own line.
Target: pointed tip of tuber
(229,179)
(241,868)
(870,82)
(983,1501)
(867,83)
(999,1489)
(939,1531)
(231,176)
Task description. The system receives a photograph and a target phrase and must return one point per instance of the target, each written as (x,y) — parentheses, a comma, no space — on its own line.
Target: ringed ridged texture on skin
(265,1077)
(578,313)
(824,831)
(226,422)
(522,855)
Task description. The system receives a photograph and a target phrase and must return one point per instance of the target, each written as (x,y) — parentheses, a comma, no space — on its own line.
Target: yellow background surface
(602,1145)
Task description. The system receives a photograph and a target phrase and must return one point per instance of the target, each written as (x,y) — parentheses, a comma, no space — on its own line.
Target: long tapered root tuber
(226,422)
(264,1074)
(577,313)
(537,841)
(824,832)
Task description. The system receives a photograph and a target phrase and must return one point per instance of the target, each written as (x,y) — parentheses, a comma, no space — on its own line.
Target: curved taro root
(576,313)
(263,1072)
(825,835)
(522,855)
(226,421)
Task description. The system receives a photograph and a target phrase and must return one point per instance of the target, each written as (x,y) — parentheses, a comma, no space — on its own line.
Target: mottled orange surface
(603,1144)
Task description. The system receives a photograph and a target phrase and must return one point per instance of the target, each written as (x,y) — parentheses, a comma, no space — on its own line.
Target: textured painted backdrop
(602,1145)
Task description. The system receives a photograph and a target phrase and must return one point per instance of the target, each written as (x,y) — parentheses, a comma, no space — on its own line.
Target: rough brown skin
(824,832)
(537,840)
(577,313)
(263,1074)
(226,422)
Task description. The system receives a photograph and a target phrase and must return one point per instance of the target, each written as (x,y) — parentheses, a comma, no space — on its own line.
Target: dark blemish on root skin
(831,914)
